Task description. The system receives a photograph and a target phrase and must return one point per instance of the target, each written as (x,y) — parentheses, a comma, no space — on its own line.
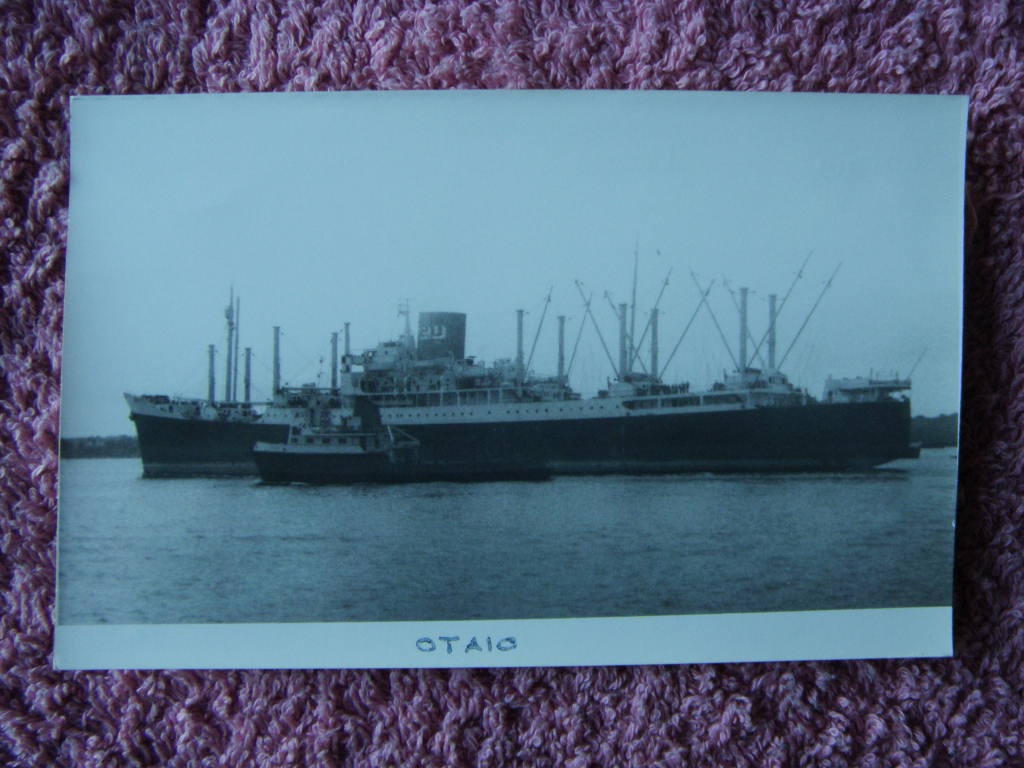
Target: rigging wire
(579,335)
(782,304)
(913,368)
(750,336)
(704,302)
(540,325)
(686,330)
(579,287)
(647,327)
(828,284)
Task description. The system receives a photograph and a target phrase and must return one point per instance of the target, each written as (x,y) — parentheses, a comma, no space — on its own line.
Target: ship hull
(175,447)
(806,438)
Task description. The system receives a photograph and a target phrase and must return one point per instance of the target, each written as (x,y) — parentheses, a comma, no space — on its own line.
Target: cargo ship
(463,413)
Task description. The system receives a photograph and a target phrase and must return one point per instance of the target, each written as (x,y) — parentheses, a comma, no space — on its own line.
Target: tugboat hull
(276,464)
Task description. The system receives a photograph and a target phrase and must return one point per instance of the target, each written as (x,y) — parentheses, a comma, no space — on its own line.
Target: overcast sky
(325,208)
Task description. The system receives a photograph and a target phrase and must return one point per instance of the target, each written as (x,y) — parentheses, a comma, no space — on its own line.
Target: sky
(317,209)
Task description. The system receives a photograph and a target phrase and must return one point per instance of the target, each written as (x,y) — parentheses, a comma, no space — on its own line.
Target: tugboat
(356,452)
(342,456)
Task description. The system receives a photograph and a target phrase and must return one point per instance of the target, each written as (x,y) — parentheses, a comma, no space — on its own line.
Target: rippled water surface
(231,550)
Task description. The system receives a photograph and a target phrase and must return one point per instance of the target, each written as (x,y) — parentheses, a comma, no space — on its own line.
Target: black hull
(331,469)
(818,437)
(191,447)
(833,437)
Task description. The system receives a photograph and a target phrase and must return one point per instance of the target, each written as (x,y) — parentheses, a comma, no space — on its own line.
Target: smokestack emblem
(434,332)
(441,335)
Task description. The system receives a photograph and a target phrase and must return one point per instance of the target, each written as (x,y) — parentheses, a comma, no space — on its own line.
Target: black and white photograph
(509,378)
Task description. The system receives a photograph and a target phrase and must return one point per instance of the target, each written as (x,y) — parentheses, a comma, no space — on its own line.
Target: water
(231,550)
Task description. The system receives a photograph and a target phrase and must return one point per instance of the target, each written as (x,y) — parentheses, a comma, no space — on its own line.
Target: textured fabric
(964,711)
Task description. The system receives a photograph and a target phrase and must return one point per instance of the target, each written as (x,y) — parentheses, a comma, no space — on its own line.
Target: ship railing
(459,397)
(693,400)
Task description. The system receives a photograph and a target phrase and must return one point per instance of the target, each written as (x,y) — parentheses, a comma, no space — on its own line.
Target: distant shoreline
(935,431)
(115,447)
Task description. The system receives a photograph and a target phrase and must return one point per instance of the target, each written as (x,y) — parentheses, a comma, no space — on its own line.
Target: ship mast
(407,338)
(277,359)
(643,336)
(248,374)
(743,332)
(751,356)
(519,348)
(561,349)
(238,325)
(229,315)
(348,348)
(653,324)
(334,360)
(782,304)
(632,313)
(623,359)
(211,394)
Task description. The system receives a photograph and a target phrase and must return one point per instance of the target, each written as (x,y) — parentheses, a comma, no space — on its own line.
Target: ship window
(715,399)
(309,440)
(674,402)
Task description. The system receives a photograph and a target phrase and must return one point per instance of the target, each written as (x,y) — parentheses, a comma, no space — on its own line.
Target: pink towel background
(964,711)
